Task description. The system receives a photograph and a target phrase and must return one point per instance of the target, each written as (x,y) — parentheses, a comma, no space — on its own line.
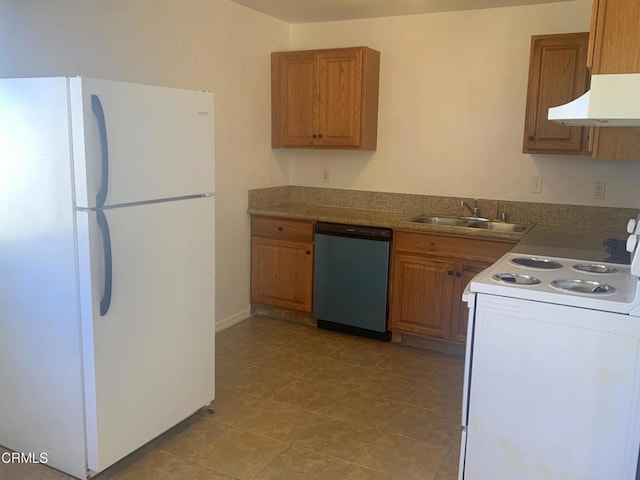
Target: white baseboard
(232,320)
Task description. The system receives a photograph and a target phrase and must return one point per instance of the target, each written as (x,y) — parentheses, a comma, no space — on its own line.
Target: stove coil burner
(594,268)
(584,287)
(516,279)
(538,263)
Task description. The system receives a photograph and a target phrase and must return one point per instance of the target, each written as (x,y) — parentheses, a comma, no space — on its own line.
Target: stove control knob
(632,241)
(631,225)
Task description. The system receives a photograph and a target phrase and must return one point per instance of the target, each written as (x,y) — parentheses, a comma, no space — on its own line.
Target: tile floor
(295,402)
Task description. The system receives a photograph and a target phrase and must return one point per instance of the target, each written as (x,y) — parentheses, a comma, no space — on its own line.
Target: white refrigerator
(106,266)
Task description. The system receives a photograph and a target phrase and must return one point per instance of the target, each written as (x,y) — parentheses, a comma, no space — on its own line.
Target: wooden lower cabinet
(282,263)
(429,274)
(423,293)
(459,317)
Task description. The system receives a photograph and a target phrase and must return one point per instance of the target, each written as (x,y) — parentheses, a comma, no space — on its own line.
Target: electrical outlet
(325,175)
(598,190)
(536,184)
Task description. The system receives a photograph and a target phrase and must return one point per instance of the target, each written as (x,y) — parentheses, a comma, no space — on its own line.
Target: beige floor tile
(449,469)
(291,362)
(308,395)
(239,453)
(404,457)
(143,463)
(362,409)
(186,470)
(315,346)
(426,425)
(437,398)
(361,473)
(333,372)
(234,333)
(366,353)
(16,471)
(280,421)
(338,439)
(408,365)
(232,407)
(250,379)
(390,387)
(251,352)
(300,464)
(190,436)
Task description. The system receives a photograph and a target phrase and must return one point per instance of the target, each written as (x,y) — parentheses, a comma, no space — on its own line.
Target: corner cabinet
(282,263)
(429,274)
(557,75)
(325,98)
(614,47)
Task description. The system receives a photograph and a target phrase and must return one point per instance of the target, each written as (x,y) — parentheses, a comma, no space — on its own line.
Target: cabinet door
(464,273)
(339,97)
(294,92)
(421,295)
(281,273)
(557,75)
(615,41)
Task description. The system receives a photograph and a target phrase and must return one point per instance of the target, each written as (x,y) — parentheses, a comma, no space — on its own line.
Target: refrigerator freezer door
(155,143)
(149,361)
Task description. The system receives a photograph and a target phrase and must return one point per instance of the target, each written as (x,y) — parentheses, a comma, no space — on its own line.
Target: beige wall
(451,117)
(213,45)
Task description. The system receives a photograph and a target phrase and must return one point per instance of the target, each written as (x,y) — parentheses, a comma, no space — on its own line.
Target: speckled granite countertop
(569,231)
(373,218)
(575,243)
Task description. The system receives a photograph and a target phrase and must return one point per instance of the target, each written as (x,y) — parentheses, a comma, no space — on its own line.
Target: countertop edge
(374,218)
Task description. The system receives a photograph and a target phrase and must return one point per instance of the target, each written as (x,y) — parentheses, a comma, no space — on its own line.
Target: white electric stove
(552,370)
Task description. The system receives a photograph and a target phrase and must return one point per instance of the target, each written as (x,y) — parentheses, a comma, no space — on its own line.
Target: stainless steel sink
(444,221)
(472,222)
(503,226)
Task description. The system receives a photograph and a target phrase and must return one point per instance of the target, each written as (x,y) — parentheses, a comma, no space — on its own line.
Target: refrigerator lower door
(149,360)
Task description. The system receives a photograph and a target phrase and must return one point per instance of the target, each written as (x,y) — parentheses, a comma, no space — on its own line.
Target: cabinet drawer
(450,247)
(282,229)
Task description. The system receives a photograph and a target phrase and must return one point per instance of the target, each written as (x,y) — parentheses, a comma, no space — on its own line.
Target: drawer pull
(450,272)
(279,229)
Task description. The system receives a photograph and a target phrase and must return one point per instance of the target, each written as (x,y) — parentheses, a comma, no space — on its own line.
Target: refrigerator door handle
(105,303)
(96,106)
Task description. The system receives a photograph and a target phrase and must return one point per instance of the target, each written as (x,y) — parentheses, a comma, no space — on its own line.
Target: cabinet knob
(450,272)
(319,135)
(458,274)
(314,135)
(279,229)
(531,138)
(308,252)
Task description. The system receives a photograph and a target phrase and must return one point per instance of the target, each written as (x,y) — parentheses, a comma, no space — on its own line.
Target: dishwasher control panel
(372,233)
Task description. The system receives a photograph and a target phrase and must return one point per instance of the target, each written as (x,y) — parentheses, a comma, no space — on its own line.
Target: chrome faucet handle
(474,210)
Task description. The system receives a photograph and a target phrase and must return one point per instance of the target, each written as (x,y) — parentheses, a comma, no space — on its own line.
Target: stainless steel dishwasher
(351,279)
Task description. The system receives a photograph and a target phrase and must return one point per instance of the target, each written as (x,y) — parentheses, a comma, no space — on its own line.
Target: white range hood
(613,101)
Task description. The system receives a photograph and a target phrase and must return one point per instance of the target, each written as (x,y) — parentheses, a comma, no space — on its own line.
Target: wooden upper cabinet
(615,48)
(557,75)
(325,98)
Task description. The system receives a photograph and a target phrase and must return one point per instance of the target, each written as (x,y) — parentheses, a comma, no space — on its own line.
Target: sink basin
(444,221)
(470,222)
(503,226)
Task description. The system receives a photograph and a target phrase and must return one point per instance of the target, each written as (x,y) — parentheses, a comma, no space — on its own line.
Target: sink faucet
(475,210)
